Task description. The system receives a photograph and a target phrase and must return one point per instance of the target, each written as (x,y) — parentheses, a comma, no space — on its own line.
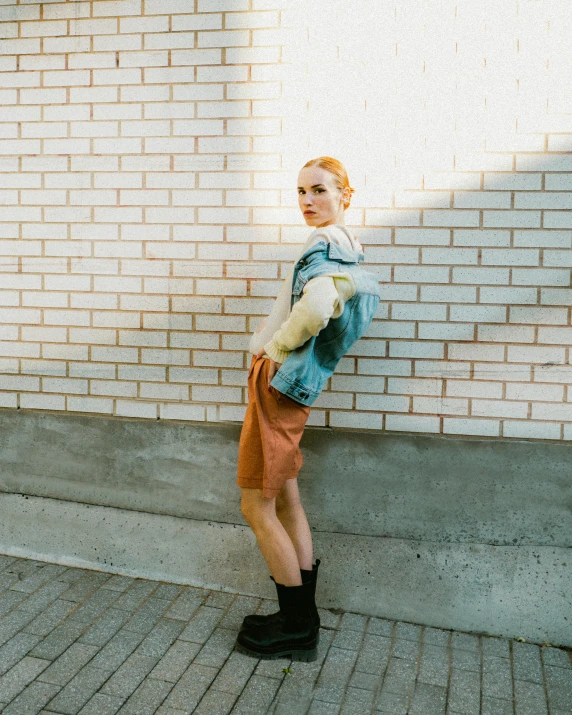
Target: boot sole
(304,655)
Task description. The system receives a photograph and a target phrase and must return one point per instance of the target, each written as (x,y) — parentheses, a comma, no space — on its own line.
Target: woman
(325,304)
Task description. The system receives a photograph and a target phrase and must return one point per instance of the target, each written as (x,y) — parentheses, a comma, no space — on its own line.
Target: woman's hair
(336,168)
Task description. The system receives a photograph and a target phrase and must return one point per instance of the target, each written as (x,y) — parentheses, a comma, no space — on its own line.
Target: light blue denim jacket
(305,371)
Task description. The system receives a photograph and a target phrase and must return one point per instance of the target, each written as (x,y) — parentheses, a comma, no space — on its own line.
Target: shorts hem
(267,492)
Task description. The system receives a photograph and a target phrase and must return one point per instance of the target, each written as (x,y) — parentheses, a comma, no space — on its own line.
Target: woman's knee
(255,509)
(289,497)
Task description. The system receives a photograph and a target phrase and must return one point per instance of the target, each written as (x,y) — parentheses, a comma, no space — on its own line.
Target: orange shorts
(268,451)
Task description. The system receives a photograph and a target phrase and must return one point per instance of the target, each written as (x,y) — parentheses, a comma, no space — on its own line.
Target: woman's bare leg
(292,516)
(273,540)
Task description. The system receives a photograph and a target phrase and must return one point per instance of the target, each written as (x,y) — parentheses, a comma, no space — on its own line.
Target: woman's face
(319,198)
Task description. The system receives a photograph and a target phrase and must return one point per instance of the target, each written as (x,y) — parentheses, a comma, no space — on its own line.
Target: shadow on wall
(479,314)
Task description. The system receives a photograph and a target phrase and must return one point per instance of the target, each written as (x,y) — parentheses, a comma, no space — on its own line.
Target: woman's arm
(322,298)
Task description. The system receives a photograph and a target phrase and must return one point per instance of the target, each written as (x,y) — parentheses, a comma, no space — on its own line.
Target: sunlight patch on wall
(402,90)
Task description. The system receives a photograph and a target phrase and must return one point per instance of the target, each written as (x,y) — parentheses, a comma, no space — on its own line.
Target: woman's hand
(273,367)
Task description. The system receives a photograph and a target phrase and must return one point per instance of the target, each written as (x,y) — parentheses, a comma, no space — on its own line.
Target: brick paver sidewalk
(77,641)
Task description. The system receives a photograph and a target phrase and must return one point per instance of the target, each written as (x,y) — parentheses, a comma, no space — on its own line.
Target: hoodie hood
(335,233)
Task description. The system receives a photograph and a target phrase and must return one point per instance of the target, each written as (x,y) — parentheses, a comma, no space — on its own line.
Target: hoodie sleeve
(323,297)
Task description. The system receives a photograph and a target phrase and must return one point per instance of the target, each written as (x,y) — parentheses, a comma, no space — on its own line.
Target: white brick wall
(148,159)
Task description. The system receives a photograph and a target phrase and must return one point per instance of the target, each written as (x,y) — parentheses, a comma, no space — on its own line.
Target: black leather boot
(295,632)
(260,620)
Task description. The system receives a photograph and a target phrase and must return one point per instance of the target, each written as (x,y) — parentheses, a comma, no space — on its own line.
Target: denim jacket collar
(334,252)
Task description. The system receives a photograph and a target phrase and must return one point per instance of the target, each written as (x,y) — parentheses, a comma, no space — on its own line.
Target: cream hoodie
(323,297)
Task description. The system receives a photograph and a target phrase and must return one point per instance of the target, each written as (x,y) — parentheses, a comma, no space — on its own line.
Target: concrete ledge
(451,490)
(467,534)
(518,591)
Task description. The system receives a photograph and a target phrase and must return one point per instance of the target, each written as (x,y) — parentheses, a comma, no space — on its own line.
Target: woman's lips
(309,213)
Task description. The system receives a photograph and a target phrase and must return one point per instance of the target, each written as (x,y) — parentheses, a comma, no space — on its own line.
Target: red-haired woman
(325,304)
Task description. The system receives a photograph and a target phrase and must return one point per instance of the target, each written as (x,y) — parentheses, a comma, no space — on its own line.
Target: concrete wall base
(510,591)
(462,533)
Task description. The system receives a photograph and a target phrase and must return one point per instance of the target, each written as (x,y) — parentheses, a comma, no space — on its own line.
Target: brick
(18,677)
(118,583)
(496,678)
(64,668)
(93,607)
(64,385)
(129,675)
(32,699)
(546,239)
(234,674)
(494,706)
(101,704)
(215,702)
(257,695)
(526,663)
(42,402)
(125,408)
(148,696)
(558,686)
(137,593)
(12,623)
(160,638)
(175,661)
(15,649)
(450,217)
(556,657)
(222,5)
(464,691)
(105,627)
(399,680)
(499,408)
(537,314)
(148,615)
(512,219)
(116,651)
(105,354)
(191,687)
(186,604)
(51,616)
(252,55)
(79,690)
(481,237)
(89,404)
(202,625)
(217,649)
(197,21)
(230,38)
(480,314)
(405,423)
(428,699)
